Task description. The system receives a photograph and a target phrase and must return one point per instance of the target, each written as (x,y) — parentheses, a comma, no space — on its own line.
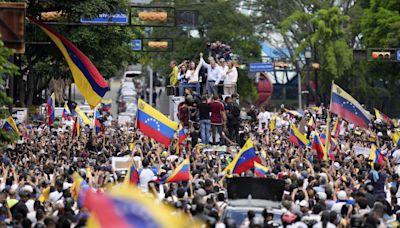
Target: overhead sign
(104,18)
(136,45)
(261,67)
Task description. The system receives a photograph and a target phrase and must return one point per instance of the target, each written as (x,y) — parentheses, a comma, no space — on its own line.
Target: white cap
(303,203)
(342,195)
(322,195)
(27,188)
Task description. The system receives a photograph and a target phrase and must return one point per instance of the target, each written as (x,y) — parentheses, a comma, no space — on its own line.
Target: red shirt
(216,107)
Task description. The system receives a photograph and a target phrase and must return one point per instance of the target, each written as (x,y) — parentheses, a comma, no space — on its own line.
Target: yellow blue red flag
(244,160)
(154,124)
(87,78)
(10,126)
(297,138)
(127,207)
(260,170)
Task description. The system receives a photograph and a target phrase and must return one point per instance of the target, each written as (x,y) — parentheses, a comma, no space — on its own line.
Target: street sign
(104,18)
(398,54)
(260,67)
(136,45)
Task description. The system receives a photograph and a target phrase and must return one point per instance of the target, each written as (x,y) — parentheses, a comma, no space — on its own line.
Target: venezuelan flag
(260,170)
(51,102)
(66,111)
(348,108)
(336,127)
(106,105)
(244,160)
(263,154)
(297,138)
(83,116)
(294,113)
(181,134)
(181,173)
(76,131)
(375,155)
(383,117)
(79,189)
(87,78)
(97,122)
(319,147)
(132,176)
(10,126)
(128,207)
(396,139)
(154,124)
(333,142)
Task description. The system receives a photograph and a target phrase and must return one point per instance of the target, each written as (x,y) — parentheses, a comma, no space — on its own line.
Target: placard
(361,150)
(121,163)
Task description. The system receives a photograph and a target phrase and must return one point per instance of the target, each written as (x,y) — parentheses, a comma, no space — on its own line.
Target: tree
(6,69)
(108,47)
(218,21)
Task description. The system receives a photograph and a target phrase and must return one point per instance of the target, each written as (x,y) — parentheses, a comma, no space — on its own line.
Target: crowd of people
(216,76)
(345,191)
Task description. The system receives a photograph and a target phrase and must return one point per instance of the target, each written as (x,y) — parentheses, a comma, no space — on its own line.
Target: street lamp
(307,56)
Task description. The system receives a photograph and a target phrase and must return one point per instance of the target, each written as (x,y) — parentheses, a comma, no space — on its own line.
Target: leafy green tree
(108,47)
(6,69)
(328,42)
(218,21)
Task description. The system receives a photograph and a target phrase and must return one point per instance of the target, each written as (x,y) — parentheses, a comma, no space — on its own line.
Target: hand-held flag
(87,78)
(51,102)
(154,124)
(348,108)
(244,160)
(10,126)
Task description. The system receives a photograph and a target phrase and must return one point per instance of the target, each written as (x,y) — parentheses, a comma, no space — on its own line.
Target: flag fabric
(348,108)
(106,105)
(79,189)
(319,147)
(383,117)
(375,155)
(333,141)
(294,113)
(97,122)
(396,139)
(51,102)
(10,126)
(181,173)
(132,176)
(87,78)
(154,124)
(260,170)
(66,111)
(244,160)
(272,123)
(83,116)
(336,127)
(263,154)
(181,134)
(297,138)
(311,123)
(127,207)
(76,131)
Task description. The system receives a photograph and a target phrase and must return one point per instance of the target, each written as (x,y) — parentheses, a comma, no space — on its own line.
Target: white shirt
(55,196)
(213,74)
(29,204)
(145,176)
(231,76)
(224,71)
(328,225)
(193,75)
(69,123)
(396,156)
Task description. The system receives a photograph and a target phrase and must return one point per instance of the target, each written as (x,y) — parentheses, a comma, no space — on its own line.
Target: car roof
(254,203)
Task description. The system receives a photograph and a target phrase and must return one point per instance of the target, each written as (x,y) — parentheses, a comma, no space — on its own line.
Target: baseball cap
(342,195)
(304,203)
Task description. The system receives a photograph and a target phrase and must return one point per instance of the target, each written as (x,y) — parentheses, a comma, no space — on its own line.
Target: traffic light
(153,16)
(381,55)
(158,44)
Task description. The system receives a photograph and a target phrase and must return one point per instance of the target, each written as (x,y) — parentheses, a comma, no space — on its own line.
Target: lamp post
(307,56)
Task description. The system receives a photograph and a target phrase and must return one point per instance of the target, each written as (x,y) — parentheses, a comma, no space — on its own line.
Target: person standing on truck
(173,76)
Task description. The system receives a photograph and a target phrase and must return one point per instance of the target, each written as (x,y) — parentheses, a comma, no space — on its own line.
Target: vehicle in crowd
(254,194)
